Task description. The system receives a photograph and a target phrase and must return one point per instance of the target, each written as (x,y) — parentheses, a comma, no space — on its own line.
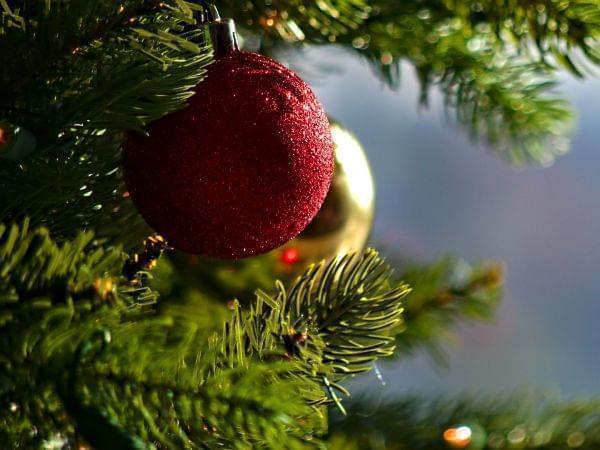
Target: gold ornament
(345,220)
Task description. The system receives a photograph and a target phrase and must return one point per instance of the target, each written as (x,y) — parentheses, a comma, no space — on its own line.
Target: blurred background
(439,193)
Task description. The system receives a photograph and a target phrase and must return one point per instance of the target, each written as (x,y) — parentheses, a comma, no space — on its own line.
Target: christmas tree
(131,131)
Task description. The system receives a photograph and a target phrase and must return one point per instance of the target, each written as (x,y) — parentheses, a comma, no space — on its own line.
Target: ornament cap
(223,36)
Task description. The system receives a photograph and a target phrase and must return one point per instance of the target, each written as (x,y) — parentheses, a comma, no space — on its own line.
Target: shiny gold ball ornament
(345,220)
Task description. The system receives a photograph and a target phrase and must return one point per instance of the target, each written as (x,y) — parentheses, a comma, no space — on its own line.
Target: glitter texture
(241,170)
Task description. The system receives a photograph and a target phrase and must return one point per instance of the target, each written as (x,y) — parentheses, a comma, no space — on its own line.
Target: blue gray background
(439,193)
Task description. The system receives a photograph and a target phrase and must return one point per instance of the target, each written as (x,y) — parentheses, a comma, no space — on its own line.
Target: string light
(387,59)
(105,287)
(517,436)
(575,439)
(459,437)
(496,440)
(290,256)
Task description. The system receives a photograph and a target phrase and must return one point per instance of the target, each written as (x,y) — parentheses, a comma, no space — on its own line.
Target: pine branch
(294,20)
(336,319)
(444,293)
(51,297)
(480,55)
(81,358)
(500,95)
(78,101)
(563,33)
(84,357)
(524,421)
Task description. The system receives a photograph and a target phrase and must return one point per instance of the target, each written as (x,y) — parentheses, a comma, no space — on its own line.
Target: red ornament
(240,171)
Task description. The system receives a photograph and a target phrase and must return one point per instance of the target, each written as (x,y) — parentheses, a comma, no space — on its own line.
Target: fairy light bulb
(459,437)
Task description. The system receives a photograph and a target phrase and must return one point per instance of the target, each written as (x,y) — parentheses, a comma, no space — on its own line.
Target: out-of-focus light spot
(541,438)
(290,256)
(458,437)
(575,439)
(432,38)
(477,7)
(267,21)
(424,14)
(517,435)
(475,44)
(358,42)
(387,59)
(496,440)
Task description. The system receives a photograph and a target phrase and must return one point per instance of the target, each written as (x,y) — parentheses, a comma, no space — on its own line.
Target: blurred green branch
(493,89)
(524,421)
(494,62)
(445,292)
(564,33)
(294,20)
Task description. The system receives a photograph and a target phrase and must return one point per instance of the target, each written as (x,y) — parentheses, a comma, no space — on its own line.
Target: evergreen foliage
(495,63)
(526,421)
(78,74)
(95,354)
(445,292)
(87,354)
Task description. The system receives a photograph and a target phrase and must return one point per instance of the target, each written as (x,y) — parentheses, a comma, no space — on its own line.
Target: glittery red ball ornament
(241,170)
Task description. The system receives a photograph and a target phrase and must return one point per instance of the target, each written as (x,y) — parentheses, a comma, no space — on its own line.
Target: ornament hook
(209,13)
(223,35)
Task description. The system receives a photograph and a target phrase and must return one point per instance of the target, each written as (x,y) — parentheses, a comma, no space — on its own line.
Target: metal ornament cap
(222,32)
(223,37)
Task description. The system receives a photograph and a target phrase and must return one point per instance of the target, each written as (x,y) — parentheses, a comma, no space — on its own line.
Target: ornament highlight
(345,220)
(240,171)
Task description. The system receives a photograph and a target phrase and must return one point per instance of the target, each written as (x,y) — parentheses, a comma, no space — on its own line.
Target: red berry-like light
(290,256)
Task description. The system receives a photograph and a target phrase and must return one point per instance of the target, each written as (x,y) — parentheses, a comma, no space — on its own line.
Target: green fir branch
(445,292)
(336,318)
(86,355)
(87,77)
(563,33)
(294,20)
(499,94)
